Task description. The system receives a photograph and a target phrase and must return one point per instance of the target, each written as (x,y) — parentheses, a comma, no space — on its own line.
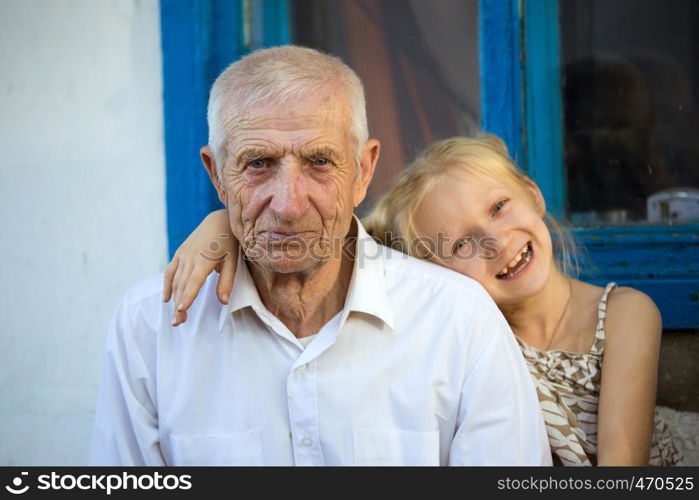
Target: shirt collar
(244,293)
(367,291)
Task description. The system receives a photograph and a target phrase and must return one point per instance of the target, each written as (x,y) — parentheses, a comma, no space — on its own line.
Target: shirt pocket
(395,447)
(239,448)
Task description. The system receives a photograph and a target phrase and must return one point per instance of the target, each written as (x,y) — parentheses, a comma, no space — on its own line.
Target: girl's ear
(536,196)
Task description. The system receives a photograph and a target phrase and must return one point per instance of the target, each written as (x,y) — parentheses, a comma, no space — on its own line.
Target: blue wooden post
(276,22)
(501,80)
(199,39)
(542,84)
(521,102)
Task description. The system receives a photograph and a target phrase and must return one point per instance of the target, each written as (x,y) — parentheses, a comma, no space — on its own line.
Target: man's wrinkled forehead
(247,98)
(285,120)
(331,111)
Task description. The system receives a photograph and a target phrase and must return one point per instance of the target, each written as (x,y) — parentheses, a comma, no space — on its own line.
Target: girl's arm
(210,247)
(629,377)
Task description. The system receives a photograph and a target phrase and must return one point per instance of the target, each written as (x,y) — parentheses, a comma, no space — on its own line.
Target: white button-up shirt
(419,368)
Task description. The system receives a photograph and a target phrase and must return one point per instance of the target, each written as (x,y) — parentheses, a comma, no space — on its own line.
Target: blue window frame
(199,39)
(521,88)
(521,102)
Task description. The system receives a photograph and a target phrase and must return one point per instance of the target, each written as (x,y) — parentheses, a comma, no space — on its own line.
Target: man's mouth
(284,235)
(517,264)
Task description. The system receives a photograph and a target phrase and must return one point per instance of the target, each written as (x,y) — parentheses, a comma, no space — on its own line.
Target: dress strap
(598,346)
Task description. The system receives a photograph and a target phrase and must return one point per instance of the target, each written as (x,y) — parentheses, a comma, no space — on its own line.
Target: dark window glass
(631,84)
(418,61)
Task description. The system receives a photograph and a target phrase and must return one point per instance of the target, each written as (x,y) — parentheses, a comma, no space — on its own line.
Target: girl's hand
(210,247)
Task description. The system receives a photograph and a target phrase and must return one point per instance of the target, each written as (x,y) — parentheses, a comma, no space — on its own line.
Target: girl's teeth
(514,261)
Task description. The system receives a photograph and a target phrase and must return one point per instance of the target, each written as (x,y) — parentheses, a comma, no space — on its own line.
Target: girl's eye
(461,243)
(256,164)
(498,206)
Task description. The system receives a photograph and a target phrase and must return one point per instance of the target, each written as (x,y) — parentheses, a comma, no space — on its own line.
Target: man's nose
(289,192)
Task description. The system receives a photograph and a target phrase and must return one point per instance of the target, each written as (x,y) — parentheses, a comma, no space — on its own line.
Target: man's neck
(305,302)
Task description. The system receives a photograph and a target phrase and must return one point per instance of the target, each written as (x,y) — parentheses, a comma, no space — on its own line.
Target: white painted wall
(82,206)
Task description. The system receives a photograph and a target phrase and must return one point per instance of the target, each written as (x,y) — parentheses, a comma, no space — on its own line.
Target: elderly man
(332,350)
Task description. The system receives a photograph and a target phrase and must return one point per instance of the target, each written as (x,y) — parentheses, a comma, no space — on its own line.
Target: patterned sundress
(568,387)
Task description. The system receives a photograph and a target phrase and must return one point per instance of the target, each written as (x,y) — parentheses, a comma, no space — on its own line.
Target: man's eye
(257,164)
(498,206)
(320,161)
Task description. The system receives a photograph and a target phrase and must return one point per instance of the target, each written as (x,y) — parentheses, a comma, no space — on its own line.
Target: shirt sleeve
(499,420)
(126,421)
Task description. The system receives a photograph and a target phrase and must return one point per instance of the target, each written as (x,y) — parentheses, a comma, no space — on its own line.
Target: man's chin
(288,264)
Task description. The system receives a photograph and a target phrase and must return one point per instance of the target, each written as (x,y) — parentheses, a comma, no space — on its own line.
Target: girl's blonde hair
(393,218)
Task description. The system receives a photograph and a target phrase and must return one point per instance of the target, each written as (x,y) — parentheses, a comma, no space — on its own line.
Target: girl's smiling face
(491,230)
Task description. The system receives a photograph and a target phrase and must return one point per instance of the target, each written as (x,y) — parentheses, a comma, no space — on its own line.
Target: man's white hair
(277,76)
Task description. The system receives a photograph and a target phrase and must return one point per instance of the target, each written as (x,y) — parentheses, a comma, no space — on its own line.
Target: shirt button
(301,368)
(306,442)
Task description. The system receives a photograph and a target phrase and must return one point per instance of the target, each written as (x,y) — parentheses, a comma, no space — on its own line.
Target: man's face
(291,183)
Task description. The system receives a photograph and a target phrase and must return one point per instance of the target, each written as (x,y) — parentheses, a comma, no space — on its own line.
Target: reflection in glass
(631,83)
(419,64)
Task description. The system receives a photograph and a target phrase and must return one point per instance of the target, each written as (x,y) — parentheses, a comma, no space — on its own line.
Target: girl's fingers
(194,283)
(168,277)
(185,269)
(225,279)
(179,317)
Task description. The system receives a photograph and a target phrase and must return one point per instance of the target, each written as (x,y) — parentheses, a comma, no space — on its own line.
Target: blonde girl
(592,351)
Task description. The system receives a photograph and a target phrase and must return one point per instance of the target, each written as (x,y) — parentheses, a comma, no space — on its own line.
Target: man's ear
(207,158)
(536,196)
(367,164)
